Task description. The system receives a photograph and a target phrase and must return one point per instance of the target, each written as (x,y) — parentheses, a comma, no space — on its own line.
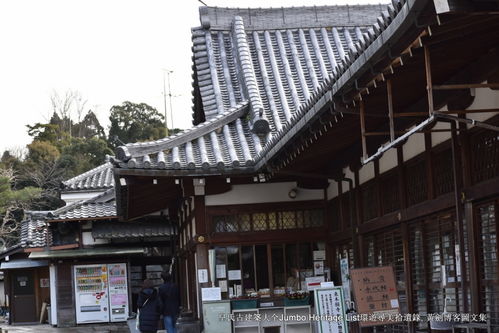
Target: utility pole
(170,95)
(164,98)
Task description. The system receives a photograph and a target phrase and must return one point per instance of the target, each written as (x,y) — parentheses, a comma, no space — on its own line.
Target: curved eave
(378,50)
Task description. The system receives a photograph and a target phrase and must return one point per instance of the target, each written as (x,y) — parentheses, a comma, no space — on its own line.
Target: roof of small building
(113,230)
(98,178)
(101,206)
(268,66)
(34,233)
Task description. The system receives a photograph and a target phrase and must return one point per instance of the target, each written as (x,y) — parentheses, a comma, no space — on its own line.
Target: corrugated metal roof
(280,70)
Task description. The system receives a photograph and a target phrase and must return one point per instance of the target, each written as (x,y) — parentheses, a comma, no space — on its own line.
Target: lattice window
(284,220)
(489,276)
(244,222)
(390,198)
(386,249)
(418,273)
(442,172)
(288,220)
(369,200)
(272,221)
(225,223)
(485,156)
(416,182)
(259,221)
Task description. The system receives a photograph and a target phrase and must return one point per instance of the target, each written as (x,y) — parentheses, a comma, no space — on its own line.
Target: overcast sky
(109,51)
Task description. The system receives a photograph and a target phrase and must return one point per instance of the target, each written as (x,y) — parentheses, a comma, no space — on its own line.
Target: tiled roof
(131,230)
(98,207)
(34,230)
(98,178)
(281,72)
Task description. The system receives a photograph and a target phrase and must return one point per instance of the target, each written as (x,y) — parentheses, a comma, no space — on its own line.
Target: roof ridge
(259,123)
(282,17)
(127,152)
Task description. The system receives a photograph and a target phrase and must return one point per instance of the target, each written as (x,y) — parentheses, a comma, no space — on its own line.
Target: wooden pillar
(401,178)
(473,256)
(408,270)
(457,172)
(390,108)
(358,246)
(377,187)
(429,167)
(341,215)
(363,130)
(429,84)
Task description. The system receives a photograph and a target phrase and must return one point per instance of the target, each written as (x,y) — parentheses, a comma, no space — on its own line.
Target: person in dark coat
(150,307)
(171,302)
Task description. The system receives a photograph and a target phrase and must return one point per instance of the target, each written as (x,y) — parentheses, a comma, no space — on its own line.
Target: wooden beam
(465,86)
(469,111)
(363,130)
(429,87)
(390,108)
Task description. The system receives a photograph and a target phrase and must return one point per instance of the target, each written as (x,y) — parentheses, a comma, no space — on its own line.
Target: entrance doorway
(23,297)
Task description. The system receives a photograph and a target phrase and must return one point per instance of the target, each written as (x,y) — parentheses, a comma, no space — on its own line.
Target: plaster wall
(262,193)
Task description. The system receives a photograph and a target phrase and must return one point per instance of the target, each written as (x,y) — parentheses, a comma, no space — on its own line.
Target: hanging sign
(376,295)
(330,310)
(345,280)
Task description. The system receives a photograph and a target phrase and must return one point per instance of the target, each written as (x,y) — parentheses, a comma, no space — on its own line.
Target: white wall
(262,193)
(77,196)
(88,239)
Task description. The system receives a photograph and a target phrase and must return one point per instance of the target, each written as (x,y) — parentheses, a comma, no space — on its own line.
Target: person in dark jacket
(150,307)
(171,302)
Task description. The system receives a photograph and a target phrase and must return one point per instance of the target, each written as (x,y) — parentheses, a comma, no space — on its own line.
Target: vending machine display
(92,305)
(101,293)
(118,292)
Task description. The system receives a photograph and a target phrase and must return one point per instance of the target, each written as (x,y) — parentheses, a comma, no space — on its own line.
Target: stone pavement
(45,328)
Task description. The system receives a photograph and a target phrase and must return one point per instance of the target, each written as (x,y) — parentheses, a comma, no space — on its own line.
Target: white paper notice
(221,272)
(223,285)
(235,275)
(320,255)
(318,268)
(327,284)
(313,282)
(211,294)
(202,275)
(394,303)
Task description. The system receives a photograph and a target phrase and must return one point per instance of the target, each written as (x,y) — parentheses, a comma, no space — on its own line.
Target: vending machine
(101,293)
(92,304)
(118,292)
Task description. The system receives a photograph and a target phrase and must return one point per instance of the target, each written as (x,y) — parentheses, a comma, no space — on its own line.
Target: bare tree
(67,107)
(12,205)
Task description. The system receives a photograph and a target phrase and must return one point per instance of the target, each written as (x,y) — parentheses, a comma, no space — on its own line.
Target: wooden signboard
(376,295)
